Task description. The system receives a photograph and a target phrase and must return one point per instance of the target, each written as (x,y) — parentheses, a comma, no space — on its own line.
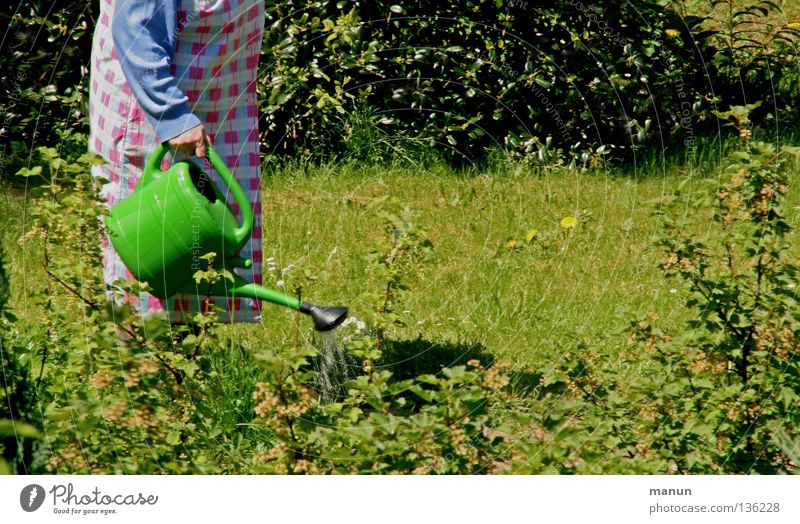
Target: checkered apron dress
(216,63)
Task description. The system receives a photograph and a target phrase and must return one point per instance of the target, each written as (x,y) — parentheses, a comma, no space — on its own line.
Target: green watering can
(172,218)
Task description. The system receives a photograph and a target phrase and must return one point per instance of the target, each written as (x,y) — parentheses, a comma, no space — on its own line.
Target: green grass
(528,305)
(474,288)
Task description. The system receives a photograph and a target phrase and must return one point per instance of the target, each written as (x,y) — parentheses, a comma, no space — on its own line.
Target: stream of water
(334,365)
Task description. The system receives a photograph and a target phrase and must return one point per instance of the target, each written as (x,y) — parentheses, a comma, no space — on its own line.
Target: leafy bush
(738,359)
(526,76)
(756,52)
(572,81)
(44,78)
(430,424)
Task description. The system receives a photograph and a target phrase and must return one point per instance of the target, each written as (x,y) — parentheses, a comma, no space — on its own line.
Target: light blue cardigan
(144,34)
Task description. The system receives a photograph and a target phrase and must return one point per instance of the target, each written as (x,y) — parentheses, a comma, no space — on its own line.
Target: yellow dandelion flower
(569,222)
(672,33)
(531,235)
(511,244)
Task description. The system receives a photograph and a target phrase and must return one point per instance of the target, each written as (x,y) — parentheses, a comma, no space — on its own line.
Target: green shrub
(532,77)
(737,362)
(572,81)
(757,53)
(429,424)
(44,78)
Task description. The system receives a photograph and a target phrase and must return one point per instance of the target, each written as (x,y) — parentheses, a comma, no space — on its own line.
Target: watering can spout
(325,318)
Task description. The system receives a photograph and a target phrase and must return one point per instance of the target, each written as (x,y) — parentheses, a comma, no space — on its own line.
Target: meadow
(614,304)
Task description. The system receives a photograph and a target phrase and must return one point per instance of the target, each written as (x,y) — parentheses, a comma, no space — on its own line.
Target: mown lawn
(517,302)
(527,303)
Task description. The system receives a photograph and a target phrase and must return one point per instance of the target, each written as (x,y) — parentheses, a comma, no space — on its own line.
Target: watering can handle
(153,165)
(242,234)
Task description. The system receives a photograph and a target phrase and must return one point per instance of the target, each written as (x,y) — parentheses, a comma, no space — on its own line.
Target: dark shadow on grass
(409,358)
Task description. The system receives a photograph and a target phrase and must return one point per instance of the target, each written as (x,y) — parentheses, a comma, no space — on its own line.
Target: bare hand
(192,142)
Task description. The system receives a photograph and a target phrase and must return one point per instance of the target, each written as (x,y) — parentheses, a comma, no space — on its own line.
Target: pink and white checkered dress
(216,64)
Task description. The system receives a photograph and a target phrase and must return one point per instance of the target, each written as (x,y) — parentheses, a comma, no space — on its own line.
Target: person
(182,72)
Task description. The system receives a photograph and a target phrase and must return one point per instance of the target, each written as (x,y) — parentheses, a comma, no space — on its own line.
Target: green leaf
(173,438)
(12,428)
(35,171)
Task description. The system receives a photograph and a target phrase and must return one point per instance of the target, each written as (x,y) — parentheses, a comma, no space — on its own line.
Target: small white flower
(279,283)
(673,291)
(360,325)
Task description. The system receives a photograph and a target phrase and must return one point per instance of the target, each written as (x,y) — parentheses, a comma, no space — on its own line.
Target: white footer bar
(397,499)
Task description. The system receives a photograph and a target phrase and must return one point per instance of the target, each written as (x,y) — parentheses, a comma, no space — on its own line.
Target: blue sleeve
(144,33)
